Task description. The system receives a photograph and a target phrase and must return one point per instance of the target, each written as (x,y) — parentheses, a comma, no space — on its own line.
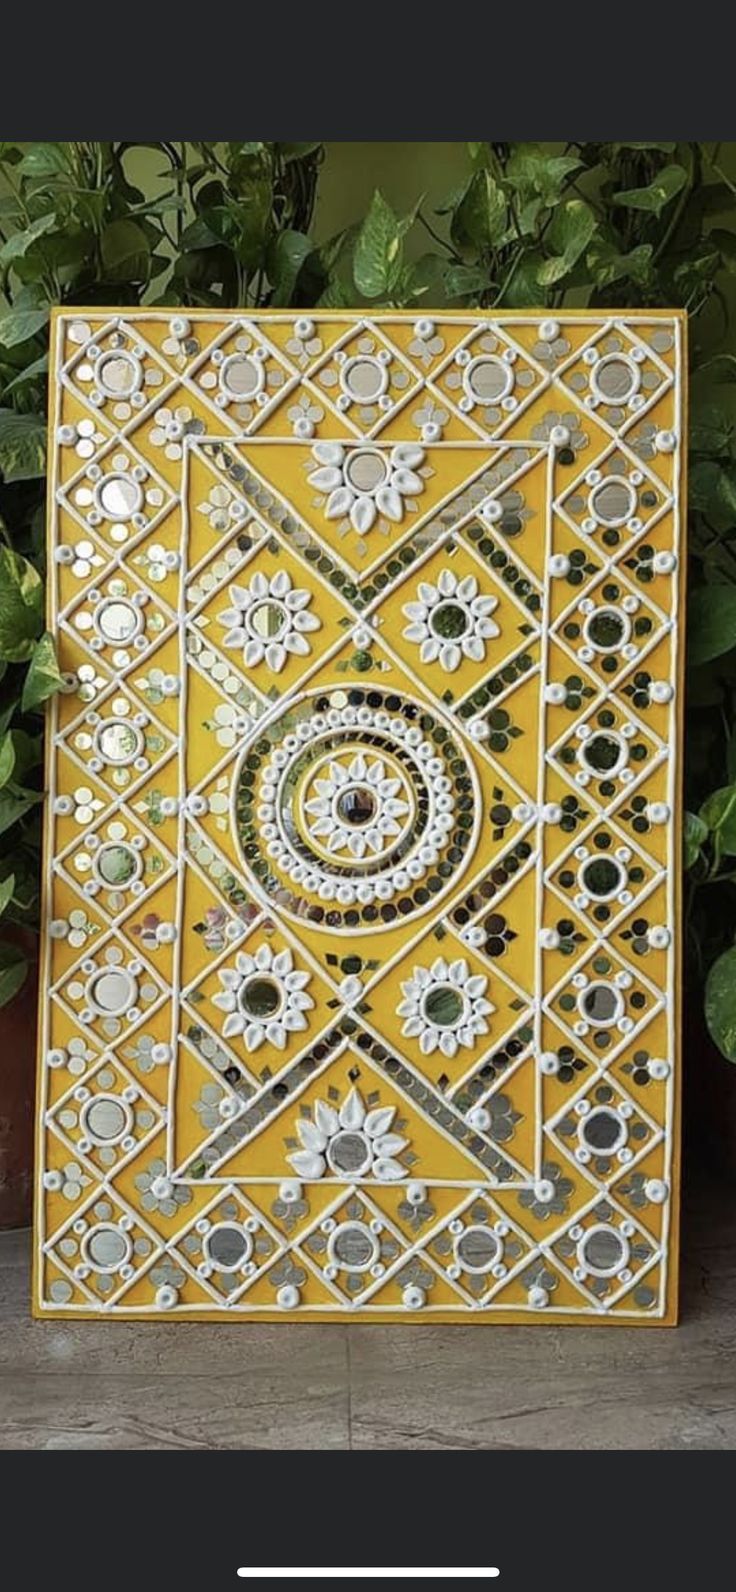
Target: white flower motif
(230,724)
(264,997)
(349,1142)
(445,1007)
(171,426)
(268,620)
(356,807)
(85,558)
(450,621)
(364,482)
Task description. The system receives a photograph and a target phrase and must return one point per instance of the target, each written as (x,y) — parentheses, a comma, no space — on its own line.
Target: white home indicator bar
(334,1574)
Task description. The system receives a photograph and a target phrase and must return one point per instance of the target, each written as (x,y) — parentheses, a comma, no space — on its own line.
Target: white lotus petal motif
(390,1144)
(388,1171)
(339,503)
(307,1164)
(310,1135)
(379,1121)
(363,514)
(328,452)
(390,503)
(408,455)
(325,479)
(326,1118)
(352,1110)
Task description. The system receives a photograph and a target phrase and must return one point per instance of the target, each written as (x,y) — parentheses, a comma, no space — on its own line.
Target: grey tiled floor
(201,1387)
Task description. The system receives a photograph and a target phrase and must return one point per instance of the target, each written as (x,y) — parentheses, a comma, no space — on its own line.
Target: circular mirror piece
(228,1247)
(478,1249)
(119,497)
(603,1251)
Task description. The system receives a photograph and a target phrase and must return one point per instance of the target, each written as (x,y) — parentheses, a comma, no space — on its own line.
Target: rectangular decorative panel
(360,949)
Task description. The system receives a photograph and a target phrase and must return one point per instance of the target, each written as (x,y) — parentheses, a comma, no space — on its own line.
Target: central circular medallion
(355,808)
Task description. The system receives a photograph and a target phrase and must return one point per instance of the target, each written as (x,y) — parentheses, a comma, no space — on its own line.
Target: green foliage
(230,224)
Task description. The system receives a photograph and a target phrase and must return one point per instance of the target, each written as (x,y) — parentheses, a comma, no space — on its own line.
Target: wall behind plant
(416,224)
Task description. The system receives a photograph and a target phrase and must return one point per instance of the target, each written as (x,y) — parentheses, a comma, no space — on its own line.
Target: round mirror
(602,877)
(363,379)
(106,1119)
(601,1004)
(353,1246)
(267,621)
(477,1249)
(119,497)
(241,377)
(607,629)
(603,1131)
(443,1006)
(117,620)
(356,806)
(118,374)
(117,865)
(107,1248)
(260,997)
(365,471)
(604,754)
(615,379)
(228,1247)
(349,1154)
(448,620)
(111,991)
(488,379)
(603,1251)
(118,742)
(613,501)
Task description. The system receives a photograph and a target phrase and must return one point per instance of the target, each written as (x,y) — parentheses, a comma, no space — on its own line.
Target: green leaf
(711,622)
(7,758)
(21,606)
(667,148)
(695,832)
(720,1003)
(17,325)
(607,265)
(378,250)
(711,431)
(36,371)
(569,235)
(125,251)
(531,170)
(15,802)
(465,281)
(653,198)
(480,218)
(718,813)
(712,488)
(284,260)
(43,677)
(13,970)
(22,446)
(19,243)
(7,891)
(45,160)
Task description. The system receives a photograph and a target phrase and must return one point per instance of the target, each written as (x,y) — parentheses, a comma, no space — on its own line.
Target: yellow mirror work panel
(360,924)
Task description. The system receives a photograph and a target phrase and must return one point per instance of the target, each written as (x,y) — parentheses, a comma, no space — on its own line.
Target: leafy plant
(228,224)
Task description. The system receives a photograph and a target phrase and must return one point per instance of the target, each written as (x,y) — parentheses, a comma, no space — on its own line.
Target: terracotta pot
(17,1088)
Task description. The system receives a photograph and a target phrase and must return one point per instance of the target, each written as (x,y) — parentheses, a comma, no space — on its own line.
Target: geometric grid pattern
(360,924)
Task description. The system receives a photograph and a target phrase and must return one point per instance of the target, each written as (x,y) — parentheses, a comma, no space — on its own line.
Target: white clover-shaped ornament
(349,1142)
(451,621)
(263,997)
(269,620)
(445,1007)
(364,482)
(356,807)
